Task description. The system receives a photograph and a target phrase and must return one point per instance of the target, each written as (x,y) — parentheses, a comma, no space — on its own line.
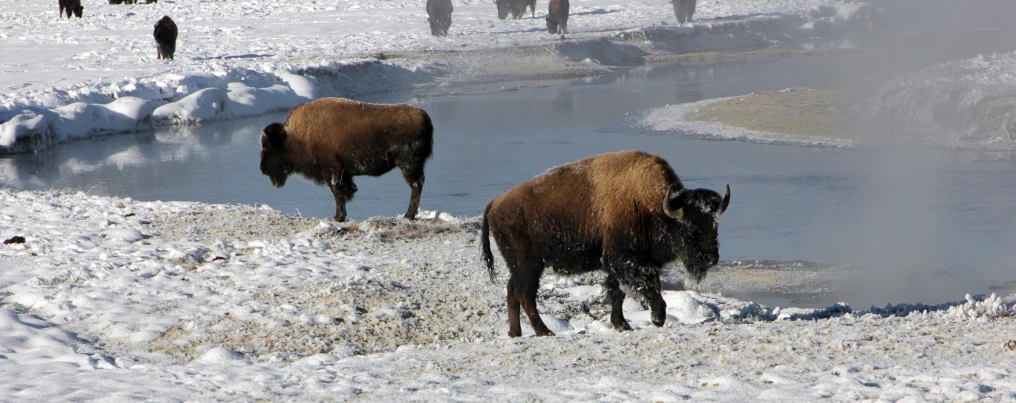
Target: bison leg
(415,178)
(523,286)
(514,323)
(343,189)
(614,296)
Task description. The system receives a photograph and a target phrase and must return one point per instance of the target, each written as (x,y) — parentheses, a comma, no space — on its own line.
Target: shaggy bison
(331,140)
(625,213)
(516,7)
(683,9)
(557,17)
(440,13)
(71,6)
(165,37)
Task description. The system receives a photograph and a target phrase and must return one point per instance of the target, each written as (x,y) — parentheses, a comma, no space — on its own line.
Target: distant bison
(683,9)
(440,13)
(557,17)
(517,8)
(331,140)
(71,6)
(625,213)
(165,37)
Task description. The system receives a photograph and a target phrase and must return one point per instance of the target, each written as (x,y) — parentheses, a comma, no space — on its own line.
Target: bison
(625,213)
(683,9)
(71,6)
(440,13)
(331,140)
(165,37)
(557,17)
(516,7)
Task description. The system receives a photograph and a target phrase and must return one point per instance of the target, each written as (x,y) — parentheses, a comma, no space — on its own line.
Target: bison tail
(488,257)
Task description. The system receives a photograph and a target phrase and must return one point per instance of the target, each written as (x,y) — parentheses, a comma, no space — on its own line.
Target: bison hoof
(623,326)
(340,218)
(547,333)
(658,323)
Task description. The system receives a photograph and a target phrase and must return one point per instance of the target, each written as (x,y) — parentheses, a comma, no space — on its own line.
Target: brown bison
(440,13)
(683,9)
(557,17)
(71,6)
(625,213)
(165,37)
(331,140)
(516,7)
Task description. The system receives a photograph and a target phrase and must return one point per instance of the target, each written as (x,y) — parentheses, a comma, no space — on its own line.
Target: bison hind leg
(523,286)
(415,179)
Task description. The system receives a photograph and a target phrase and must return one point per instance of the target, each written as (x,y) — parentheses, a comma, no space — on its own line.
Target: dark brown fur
(331,140)
(683,10)
(557,17)
(165,37)
(440,16)
(71,6)
(601,213)
(517,8)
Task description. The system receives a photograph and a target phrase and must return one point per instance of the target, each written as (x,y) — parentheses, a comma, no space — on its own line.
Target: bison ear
(726,201)
(273,136)
(673,203)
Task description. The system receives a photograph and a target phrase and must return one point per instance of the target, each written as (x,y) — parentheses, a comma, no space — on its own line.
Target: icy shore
(171,301)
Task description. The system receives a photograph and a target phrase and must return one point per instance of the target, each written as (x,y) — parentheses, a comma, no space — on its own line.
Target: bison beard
(626,213)
(165,37)
(331,140)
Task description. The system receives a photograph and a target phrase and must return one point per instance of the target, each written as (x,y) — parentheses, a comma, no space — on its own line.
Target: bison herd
(165,29)
(625,213)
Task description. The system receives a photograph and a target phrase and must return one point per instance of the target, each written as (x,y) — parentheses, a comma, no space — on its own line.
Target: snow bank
(966,103)
(269,55)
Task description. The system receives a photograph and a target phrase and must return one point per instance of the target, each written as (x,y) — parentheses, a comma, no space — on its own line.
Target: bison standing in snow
(625,213)
(440,13)
(683,10)
(516,7)
(557,17)
(331,140)
(165,37)
(71,6)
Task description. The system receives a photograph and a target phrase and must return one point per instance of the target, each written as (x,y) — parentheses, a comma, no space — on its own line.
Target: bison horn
(675,214)
(726,201)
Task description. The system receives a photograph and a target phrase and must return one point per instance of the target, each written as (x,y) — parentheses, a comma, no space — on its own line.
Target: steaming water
(915,224)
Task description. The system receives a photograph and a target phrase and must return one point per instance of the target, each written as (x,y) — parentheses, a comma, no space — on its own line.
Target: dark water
(926,225)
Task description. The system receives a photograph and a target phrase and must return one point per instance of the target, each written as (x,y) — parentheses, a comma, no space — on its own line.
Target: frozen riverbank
(98,75)
(171,301)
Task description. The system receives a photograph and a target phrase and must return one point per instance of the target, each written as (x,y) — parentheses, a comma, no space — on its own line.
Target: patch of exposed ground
(821,112)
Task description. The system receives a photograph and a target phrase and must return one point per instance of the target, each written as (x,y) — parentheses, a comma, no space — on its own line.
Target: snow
(114,299)
(66,79)
(171,301)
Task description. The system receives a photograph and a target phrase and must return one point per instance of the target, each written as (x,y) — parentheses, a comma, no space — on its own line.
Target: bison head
(77,10)
(698,214)
(503,8)
(274,156)
(551,25)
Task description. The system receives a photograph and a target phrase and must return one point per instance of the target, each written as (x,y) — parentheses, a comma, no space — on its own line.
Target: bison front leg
(343,189)
(615,297)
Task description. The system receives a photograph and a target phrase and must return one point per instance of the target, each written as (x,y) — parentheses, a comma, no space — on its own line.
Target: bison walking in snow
(516,7)
(625,213)
(165,37)
(71,6)
(331,140)
(683,10)
(440,13)
(557,17)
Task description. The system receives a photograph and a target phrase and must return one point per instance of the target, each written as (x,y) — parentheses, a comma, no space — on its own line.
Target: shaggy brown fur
(557,17)
(440,13)
(626,213)
(331,140)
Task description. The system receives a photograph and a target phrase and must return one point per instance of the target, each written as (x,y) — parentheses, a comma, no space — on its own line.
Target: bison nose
(712,259)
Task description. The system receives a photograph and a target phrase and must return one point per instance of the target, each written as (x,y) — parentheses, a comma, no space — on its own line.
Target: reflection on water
(925,225)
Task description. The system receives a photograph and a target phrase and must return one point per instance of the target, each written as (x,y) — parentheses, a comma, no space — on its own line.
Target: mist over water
(919,224)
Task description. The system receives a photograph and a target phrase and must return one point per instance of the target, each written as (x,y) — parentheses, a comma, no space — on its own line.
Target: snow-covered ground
(114,299)
(63,79)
